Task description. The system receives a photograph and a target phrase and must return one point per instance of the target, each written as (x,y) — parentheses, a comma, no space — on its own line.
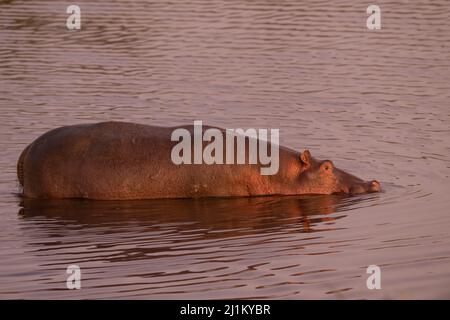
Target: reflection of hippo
(117,160)
(226,217)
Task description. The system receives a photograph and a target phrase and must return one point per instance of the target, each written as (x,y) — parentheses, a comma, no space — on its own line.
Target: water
(375,102)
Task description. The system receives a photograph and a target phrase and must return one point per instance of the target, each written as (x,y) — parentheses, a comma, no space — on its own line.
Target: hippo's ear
(305,157)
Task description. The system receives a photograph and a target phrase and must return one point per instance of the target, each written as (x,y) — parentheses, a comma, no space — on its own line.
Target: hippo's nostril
(375,186)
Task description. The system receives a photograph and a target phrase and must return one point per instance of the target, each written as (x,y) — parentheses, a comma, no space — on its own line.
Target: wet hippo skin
(123,161)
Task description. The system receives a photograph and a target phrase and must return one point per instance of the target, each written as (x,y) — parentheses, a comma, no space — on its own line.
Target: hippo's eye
(327,166)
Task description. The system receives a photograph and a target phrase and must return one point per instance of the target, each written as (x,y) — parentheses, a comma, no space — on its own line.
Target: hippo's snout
(322,177)
(372,186)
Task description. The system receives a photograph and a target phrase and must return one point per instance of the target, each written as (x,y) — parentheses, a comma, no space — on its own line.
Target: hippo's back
(113,160)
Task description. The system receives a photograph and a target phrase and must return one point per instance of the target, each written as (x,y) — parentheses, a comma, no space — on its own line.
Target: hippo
(127,161)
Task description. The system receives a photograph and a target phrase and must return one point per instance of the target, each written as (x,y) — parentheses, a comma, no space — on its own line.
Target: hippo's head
(322,177)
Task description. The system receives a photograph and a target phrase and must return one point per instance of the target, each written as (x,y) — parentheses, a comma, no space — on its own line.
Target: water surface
(375,102)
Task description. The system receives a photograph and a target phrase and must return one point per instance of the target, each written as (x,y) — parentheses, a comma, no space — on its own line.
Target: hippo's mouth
(366,187)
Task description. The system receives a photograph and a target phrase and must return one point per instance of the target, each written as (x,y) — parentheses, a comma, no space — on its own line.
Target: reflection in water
(376,103)
(231,217)
(178,244)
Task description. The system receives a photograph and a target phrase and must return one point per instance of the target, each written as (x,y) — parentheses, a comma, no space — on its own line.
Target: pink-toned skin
(123,161)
